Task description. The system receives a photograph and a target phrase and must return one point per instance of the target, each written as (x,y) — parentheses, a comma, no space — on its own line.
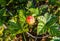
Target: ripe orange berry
(30,20)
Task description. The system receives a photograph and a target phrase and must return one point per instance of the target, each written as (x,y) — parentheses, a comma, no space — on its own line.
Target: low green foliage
(13,15)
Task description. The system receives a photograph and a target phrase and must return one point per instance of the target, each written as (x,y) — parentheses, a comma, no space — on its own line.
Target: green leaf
(47,15)
(34,11)
(13,27)
(58,3)
(10,1)
(42,9)
(29,4)
(41,24)
(3,2)
(52,2)
(2,11)
(51,21)
(41,19)
(21,16)
(54,30)
(55,39)
(1,39)
(1,23)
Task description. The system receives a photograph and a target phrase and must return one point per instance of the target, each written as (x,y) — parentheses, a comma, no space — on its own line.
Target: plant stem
(24,37)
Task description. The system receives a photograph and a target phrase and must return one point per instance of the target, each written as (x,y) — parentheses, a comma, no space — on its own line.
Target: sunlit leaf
(34,11)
